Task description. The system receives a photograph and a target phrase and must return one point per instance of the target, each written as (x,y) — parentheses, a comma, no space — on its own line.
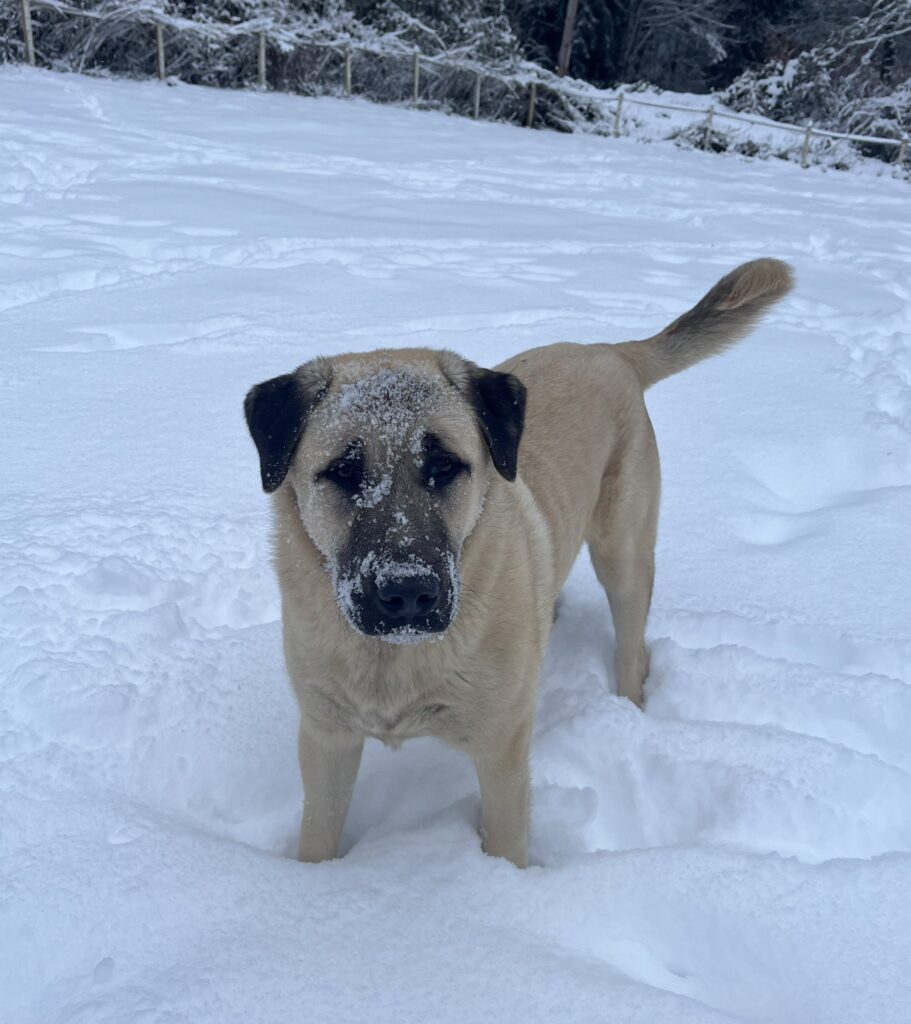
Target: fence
(534,84)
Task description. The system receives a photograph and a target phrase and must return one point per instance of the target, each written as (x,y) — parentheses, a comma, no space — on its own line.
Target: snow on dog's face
(389,455)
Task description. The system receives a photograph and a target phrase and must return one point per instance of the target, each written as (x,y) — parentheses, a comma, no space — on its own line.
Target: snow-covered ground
(740,851)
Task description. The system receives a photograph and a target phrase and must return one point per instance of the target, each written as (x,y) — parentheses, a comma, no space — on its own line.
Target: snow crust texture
(739,852)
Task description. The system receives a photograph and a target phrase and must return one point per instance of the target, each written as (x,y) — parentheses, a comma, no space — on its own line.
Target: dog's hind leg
(621,541)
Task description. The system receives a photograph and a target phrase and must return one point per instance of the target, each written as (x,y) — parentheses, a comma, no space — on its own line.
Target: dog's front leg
(329,762)
(505,794)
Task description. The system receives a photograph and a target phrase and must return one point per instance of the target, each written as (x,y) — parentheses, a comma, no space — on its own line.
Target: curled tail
(725,315)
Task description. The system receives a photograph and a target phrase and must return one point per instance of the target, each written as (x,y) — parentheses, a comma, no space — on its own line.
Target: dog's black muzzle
(404,607)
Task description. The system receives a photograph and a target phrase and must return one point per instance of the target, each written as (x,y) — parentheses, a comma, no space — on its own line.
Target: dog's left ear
(499,405)
(276,412)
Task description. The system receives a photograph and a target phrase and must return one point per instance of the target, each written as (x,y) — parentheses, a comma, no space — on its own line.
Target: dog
(420,558)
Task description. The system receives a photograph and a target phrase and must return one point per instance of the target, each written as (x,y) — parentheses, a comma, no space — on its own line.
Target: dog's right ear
(499,405)
(276,413)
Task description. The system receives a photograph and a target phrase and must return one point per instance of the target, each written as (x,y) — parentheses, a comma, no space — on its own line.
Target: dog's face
(389,456)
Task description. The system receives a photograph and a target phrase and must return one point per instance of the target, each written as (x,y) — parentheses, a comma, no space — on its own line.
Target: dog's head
(389,456)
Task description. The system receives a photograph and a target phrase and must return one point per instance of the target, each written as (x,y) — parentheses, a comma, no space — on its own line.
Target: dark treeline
(683,45)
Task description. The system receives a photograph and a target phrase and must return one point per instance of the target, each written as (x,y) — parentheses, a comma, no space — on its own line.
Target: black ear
(276,413)
(499,404)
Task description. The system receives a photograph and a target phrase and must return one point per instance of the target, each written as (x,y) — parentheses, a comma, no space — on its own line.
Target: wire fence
(532,96)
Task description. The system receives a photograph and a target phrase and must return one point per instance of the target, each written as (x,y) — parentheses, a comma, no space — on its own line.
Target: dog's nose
(407,599)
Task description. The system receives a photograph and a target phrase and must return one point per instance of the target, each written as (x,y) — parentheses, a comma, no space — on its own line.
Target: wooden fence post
(617,114)
(159,47)
(261,59)
(532,100)
(902,151)
(477,97)
(27,38)
(805,148)
(707,133)
(416,77)
(566,43)
(348,71)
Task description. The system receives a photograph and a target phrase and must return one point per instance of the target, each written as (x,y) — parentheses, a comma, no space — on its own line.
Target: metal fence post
(416,74)
(617,114)
(261,59)
(477,97)
(348,71)
(159,47)
(27,38)
(805,149)
(532,100)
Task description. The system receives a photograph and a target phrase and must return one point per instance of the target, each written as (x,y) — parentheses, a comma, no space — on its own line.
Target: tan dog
(419,568)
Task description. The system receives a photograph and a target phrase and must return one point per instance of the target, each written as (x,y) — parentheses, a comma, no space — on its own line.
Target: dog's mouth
(402,601)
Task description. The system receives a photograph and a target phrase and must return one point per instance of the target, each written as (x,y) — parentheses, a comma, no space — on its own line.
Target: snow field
(739,852)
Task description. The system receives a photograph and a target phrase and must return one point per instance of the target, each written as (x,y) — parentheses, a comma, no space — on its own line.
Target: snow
(740,851)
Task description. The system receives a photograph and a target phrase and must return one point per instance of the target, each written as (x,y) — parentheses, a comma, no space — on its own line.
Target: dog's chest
(393,710)
(393,728)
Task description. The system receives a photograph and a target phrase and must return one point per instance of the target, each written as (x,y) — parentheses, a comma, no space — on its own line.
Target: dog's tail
(725,315)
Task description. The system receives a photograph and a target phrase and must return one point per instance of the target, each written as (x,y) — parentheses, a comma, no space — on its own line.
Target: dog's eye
(347,473)
(441,469)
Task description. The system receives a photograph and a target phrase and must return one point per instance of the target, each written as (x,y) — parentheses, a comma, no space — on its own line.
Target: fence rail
(612,104)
